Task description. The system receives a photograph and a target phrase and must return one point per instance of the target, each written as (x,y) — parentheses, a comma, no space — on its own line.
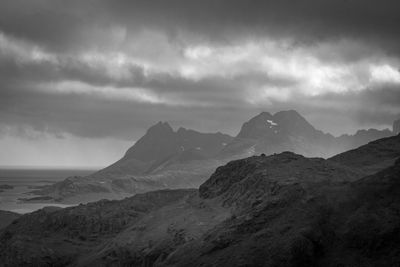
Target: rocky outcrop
(248,180)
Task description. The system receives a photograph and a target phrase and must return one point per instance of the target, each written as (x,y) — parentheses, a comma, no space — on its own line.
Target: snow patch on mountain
(271,123)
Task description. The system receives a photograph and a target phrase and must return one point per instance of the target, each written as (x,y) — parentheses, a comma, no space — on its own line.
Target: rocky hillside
(57,237)
(302,224)
(373,156)
(278,210)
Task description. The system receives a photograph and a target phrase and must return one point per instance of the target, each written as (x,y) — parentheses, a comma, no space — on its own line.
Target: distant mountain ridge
(289,131)
(372,157)
(164,158)
(161,144)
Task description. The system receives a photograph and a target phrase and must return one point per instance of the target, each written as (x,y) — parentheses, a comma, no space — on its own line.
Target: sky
(81,81)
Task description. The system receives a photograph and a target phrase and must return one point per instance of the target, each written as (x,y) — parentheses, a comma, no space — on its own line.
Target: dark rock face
(396,126)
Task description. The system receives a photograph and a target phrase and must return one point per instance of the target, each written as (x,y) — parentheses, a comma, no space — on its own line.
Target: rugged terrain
(301,224)
(164,158)
(278,210)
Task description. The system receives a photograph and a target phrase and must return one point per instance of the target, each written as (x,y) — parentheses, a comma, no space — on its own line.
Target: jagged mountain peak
(160,127)
(182,130)
(257,126)
(288,117)
(264,114)
(283,122)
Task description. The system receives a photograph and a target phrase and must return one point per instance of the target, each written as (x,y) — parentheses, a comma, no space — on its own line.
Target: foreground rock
(300,224)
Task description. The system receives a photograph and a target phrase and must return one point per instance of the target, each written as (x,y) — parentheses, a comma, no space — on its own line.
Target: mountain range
(278,210)
(164,158)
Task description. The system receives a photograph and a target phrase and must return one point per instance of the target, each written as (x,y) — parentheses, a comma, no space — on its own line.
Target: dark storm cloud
(60,24)
(92,116)
(88,116)
(54,24)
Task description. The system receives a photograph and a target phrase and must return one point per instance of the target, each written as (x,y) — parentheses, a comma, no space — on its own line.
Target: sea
(25,180)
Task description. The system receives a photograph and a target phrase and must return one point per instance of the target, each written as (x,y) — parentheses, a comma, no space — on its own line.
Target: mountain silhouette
(289,131)
(161,144)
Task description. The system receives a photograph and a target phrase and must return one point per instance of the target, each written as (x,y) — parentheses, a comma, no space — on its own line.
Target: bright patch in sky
(385,73)
(23,52)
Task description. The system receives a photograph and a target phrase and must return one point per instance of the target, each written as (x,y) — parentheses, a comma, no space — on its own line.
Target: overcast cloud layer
(99,73)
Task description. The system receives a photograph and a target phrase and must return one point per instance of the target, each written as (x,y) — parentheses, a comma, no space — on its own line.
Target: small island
(5,187)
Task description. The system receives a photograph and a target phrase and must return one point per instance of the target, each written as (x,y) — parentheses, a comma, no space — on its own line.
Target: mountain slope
(348,224)
(161,159)
(51,237)
(283,131)
(373,156)
(160,144)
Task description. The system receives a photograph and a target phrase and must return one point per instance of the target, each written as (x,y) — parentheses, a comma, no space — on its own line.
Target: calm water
(23,179)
